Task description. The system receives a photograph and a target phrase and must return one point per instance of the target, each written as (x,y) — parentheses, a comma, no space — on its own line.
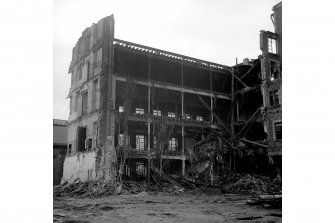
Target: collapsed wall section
(92,96)
(271,64)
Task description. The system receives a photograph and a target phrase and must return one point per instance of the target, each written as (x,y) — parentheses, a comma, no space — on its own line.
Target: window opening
(121,140)
(157,113)
(84,104)
(172,144)
(140,111)
(171,115)
(275,70)
(140,142)
(272,45)
(187,116)
(278,130)
(274,97)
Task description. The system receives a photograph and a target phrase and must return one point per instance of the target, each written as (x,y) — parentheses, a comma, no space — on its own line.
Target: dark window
(140,169)
(278,130)
(275,70)
(70,148)
(81,136)
(89,144)
(84,104)
(274,97)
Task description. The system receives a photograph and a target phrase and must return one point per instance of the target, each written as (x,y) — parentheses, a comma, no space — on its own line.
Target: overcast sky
(212,30)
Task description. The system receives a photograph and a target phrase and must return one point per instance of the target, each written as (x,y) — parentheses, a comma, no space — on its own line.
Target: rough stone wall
(106,156)
(277,16)
(98,51)
(271,114)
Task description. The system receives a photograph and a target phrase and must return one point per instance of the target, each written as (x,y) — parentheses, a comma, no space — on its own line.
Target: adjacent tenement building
(59,148)
(271,65)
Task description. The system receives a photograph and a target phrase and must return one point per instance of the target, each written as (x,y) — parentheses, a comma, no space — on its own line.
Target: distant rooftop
(59,122)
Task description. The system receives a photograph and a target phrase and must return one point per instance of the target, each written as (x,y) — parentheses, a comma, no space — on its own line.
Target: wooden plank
(255,143)
(239,80)
(250,119)
(212,112)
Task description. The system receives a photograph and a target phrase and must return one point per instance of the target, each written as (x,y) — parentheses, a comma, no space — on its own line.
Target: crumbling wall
(272,113)
(92,55)
(81,165)
(106,155)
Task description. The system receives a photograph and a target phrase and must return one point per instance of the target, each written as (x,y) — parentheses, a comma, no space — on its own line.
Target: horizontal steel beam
(175,88)
(182,58)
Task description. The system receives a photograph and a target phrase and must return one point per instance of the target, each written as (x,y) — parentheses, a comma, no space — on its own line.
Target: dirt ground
(160,207)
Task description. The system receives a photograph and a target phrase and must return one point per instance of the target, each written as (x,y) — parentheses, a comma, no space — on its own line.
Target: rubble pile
(247,183)
(133,187)
(96,188)
(172,184)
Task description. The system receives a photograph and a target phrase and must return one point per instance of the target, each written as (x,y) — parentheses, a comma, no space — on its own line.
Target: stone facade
(271,71)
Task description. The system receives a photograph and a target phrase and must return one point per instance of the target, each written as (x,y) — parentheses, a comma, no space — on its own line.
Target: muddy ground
(160,207)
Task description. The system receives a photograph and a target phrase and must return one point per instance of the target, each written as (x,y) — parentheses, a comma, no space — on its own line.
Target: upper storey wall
(277,18)
(142,62)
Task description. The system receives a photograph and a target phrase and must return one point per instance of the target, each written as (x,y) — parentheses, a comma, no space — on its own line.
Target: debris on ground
(162,207)
(249,183)
(96,188)
(267,201)
(172,184)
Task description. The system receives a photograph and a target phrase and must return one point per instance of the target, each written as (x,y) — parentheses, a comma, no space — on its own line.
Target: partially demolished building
(134,107)
(271,46)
